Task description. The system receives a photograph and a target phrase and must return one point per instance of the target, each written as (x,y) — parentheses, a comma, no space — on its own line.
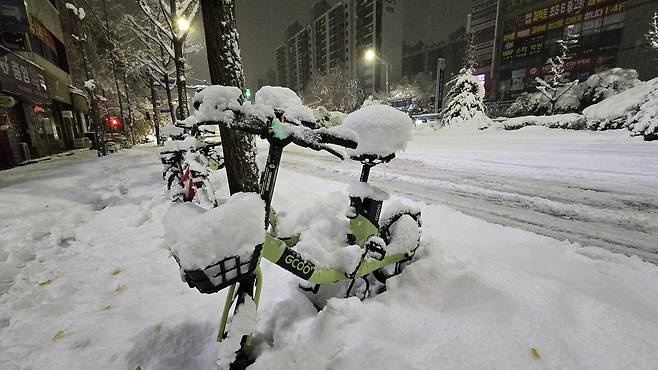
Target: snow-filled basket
(218,247)
(381,130)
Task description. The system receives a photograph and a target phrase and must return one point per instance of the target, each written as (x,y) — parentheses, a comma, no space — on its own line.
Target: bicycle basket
(222,274)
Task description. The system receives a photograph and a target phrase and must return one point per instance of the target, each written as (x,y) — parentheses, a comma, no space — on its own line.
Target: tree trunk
(166,82)
(130,111)
(156,111)
(181,83)
(226,69)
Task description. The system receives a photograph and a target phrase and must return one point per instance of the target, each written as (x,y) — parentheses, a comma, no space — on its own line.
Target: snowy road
(596,189)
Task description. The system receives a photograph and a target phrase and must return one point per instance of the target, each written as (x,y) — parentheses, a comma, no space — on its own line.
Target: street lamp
(183,24)
(370,56)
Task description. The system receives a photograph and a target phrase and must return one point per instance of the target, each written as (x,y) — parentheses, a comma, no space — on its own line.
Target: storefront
(27,126)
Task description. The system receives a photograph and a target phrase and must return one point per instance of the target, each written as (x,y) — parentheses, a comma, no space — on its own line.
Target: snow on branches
(652,35)
(556,82)
(79,12)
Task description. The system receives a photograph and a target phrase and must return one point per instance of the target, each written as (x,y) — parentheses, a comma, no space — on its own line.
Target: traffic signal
(247,94)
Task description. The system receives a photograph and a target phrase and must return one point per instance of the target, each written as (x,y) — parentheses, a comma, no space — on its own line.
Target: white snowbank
(200,238)
(381,130)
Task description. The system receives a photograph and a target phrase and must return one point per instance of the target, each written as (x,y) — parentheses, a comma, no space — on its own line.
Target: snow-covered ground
(86,281)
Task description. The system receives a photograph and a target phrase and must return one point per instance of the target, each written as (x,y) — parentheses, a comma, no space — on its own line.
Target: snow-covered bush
(596,88)
(337,90)
(617,110)
(327,118)
(645,121)
(605,84)
(538,104)
(465,101)
(571,121)
(370,100)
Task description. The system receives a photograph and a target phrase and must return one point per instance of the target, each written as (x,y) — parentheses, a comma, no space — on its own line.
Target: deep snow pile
(88,283)
(200,237)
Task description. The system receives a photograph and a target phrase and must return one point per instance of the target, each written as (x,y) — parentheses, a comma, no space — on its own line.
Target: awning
(79,99)
(59,90)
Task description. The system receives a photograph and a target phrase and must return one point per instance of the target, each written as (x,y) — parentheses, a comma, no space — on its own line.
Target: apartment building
(339,35)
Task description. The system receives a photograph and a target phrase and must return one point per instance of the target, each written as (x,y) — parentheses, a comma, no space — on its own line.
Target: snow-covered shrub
(605,84)
(645,121)
(570,121)
(336,89)
(327,118)
(617,111)
(370,101)
(465,101)
(536,104)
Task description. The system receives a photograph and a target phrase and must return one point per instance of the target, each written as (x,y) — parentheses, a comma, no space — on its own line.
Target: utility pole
(440,83)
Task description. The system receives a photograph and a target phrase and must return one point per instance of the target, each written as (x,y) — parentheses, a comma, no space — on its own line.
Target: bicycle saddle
(381,131)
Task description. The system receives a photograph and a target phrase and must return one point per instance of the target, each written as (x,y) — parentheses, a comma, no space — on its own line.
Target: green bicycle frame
(279,251)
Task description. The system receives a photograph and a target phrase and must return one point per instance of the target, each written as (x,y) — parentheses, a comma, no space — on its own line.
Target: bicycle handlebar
(302,135)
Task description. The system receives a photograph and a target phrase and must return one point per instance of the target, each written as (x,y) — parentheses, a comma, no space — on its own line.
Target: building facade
(481,31)
(338,36)
(48,112)
(611,34)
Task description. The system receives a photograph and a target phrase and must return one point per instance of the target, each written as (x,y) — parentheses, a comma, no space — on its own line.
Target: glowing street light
(183,24)
(370,56)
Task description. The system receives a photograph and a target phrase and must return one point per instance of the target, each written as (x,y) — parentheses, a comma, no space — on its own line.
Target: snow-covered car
(426,119)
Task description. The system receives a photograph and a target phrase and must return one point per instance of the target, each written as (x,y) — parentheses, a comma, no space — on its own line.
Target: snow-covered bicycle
(188,159)
(379,245)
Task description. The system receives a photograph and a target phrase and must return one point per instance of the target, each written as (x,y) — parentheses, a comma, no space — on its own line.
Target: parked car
(427,119)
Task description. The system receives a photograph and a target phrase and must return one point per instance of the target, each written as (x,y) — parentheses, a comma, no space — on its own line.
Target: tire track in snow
(588,211)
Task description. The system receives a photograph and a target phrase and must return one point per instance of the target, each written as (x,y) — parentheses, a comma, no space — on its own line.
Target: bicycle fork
(248,289)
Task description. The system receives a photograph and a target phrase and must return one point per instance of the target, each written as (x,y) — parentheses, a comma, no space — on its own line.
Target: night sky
(262,23)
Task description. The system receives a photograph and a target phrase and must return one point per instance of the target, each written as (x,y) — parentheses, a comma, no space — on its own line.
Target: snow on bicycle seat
(381,130)
(286,101)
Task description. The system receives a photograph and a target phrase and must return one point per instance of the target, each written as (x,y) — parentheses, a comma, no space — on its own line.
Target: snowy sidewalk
(86,282)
